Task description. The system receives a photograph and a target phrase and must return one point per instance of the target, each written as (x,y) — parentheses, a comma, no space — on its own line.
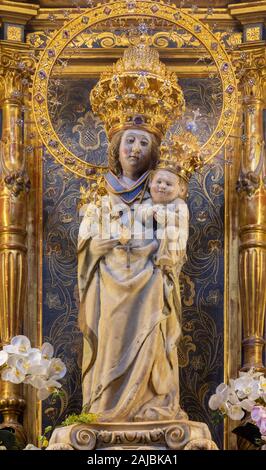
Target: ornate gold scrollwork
(15,71)
(101,14)
(252,201)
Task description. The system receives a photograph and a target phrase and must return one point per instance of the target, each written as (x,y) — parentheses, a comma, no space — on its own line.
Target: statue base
(150,435)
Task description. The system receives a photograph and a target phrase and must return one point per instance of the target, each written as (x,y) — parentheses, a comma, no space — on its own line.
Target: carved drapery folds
(15,69)
(252,215)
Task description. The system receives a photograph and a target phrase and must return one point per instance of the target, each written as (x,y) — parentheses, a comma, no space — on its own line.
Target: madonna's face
(135,152)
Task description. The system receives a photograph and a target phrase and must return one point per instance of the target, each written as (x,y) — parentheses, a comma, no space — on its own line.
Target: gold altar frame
(244,17)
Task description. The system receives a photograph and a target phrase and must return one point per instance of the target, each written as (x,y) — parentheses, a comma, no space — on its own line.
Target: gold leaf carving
(253,34)
(14,33)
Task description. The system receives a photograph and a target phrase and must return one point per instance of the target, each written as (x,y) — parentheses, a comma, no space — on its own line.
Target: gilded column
(252,213)
(14,185)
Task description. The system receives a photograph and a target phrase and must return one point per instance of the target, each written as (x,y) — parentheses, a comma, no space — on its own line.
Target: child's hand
(125,235)
(159,214)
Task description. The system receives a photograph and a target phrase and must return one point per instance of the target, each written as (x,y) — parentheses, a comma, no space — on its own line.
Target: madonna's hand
(101,247)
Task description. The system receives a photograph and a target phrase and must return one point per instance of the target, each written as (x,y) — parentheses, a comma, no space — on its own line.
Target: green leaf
(57,393)
(217,417)
(86,418)
(48,429)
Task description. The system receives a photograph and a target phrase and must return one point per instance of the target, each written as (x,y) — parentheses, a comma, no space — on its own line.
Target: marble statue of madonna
(130,321)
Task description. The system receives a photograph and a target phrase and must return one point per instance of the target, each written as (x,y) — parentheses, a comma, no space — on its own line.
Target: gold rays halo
(143,10)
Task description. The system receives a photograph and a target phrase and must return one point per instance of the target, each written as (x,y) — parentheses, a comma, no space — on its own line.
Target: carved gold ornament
(160,39)
(253,34)
(14,33)
(142,10)
(181,154)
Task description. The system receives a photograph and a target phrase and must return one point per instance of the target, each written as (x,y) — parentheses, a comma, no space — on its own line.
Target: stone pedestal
(153,435)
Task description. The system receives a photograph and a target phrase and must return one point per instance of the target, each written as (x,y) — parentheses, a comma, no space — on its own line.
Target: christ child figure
(168,192)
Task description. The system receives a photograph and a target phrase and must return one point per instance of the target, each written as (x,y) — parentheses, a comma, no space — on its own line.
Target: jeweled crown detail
(138,90)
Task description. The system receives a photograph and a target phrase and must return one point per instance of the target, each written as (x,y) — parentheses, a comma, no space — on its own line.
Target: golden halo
(119,9)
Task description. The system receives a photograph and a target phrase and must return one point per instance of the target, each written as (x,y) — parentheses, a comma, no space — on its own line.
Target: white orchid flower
(47,351)
(222,389)
(241,397)
(26,363)
(224,407)
(233,398)
(16,362)
(247,404)
(3,358)
(40,362)
(247,387)
(235,412)
(262,387)
(12,374)
(16,370)
(35,380)
(45,387)
(32,366)
(217,400)
(48,387)
(19,345)
(53,369)
(48,369)
(57,369)
(41,368)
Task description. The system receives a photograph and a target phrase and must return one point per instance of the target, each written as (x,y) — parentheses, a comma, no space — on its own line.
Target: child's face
(164,187)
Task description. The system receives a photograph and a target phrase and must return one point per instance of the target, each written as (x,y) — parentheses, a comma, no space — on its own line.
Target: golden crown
(181,154)
(139,91)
